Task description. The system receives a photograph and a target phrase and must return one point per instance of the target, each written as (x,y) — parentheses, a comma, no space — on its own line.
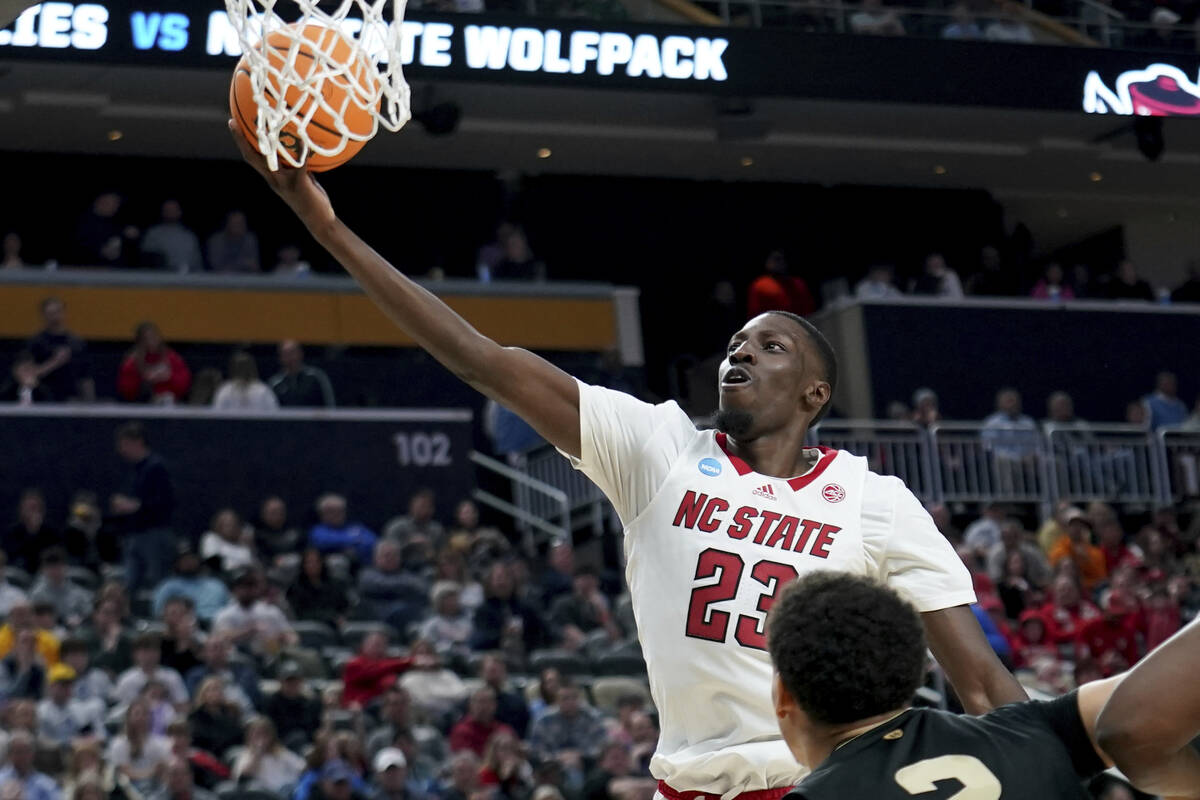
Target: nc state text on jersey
(698,511)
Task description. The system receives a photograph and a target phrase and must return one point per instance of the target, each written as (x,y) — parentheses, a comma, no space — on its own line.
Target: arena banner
(216,459)
(712,60)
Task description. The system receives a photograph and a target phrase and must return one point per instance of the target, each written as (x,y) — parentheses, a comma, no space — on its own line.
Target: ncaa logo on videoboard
(833,493)
(710,467)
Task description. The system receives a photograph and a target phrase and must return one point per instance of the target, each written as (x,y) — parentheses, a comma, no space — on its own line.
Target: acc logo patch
(710,467)
(833,493)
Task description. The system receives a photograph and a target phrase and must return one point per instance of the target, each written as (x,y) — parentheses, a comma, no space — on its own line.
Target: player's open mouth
(736,376)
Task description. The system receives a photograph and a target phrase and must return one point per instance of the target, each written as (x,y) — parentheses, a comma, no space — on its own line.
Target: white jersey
(708,544)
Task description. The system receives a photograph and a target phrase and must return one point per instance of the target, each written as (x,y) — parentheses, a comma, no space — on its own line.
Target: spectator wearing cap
(239,680)
(392,593)
(336,782)
(449,629)
(20,618)
(584,610)
(62,718)
(20,770)
(317,595)
(371,672)
(147,658)
(296,714)
(265,763)
(334,534)
(142,510)
(1054,527)
(250,621)
(391,777)
(227,544)
(23,672)
(511,708)
(92,684)
(72,603)
(207,594)
(1078,548)
(179,784)
(477,726)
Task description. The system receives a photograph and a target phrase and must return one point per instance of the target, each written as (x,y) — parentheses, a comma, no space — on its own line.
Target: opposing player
(1151,724)
(716,523)
(849,655)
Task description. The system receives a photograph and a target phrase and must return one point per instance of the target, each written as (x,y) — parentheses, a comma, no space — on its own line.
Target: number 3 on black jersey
(977,780)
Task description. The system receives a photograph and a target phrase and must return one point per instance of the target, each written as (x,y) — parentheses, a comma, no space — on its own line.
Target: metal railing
(536,507)
(1111,463)
(891,448)
(1180,450)
(951,462)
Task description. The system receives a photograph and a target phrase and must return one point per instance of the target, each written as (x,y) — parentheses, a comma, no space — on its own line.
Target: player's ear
(784,703)
(818,395)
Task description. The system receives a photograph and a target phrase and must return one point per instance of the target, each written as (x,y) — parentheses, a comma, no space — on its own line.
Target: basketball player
(716,523)
(1151,724)
(849,654)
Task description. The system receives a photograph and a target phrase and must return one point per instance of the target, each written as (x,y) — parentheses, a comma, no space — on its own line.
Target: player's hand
(297,187)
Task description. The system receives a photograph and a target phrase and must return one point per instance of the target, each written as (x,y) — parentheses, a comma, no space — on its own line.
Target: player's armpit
(1148,723)
(972,667)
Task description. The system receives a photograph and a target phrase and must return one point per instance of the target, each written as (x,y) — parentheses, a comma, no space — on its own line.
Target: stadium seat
(565,662)
(316,635)
(354,632)
(82,576)
(18,577)
(617,664)
(606,692)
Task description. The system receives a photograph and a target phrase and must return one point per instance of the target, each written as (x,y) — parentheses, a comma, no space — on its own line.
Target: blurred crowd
(308,660)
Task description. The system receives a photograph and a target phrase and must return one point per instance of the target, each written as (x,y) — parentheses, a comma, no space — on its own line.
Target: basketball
(352,94)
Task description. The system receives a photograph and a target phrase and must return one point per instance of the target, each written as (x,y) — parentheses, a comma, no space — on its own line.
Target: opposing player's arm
(533,388)
(1149,722)
(957,642)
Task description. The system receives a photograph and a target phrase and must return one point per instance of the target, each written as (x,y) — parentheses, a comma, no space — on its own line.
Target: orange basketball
(349,94)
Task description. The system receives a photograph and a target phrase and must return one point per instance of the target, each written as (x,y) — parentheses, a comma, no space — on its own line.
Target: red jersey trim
(763,794)
(797,483)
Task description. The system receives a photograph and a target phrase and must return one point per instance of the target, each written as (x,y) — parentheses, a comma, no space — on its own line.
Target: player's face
(769,369)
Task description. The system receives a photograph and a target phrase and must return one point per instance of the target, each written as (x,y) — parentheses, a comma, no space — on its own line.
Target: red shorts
(764,794)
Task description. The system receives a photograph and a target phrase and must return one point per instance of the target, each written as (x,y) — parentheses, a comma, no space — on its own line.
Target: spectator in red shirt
(1112,544)
(477,726)
(371,673)
(776,290)
(1111,640)
(1161,618)
(152,371)
(1067,611)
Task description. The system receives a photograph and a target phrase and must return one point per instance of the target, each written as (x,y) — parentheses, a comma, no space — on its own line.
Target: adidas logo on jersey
(766,490)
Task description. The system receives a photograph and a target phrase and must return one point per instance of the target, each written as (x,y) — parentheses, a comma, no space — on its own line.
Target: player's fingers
(249,153)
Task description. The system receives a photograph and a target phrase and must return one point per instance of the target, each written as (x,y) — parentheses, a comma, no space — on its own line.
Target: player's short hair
(825,352)
(845,647)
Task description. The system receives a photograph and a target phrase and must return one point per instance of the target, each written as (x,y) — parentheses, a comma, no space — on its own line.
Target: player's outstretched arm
(980,680)
(1149,721)
(542,394)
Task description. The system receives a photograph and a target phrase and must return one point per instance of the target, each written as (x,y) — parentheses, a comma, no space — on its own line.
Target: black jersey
(1024,751)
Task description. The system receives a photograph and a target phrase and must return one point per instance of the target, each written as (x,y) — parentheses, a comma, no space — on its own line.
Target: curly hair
(845,647)
(824,351)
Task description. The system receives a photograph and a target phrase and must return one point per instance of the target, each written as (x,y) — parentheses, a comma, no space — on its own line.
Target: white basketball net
(371,79)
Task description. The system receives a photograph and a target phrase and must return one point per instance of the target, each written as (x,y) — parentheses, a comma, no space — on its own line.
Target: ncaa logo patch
(710,467)
(833,493)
